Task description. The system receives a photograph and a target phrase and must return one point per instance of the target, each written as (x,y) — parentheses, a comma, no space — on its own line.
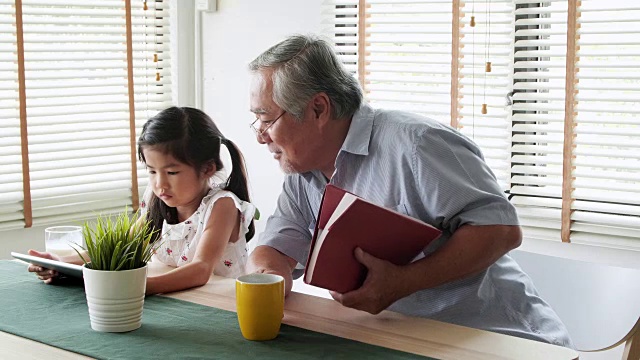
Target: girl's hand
(44,274)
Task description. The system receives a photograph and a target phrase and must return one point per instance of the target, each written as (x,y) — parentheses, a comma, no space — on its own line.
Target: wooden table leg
(632,346)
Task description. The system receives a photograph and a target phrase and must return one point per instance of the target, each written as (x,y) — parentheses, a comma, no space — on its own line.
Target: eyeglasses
(269,124)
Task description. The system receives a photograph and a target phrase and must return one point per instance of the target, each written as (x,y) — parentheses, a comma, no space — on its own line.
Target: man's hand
(265,271)
(267,260)
(382,287)
(456,259)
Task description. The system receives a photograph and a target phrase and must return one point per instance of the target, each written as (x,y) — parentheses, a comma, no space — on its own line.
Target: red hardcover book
(346,221)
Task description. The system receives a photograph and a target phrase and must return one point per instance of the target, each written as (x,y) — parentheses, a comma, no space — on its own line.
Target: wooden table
(388,329)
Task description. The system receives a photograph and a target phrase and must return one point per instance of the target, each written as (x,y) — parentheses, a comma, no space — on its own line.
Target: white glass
(58,240)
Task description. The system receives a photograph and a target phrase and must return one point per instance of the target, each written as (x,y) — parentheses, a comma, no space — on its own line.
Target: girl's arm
(223,220)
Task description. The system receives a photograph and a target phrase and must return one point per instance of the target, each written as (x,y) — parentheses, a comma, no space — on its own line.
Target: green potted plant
(115,256)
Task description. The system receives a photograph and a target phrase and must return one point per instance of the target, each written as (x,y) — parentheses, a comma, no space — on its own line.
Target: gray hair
(303,66)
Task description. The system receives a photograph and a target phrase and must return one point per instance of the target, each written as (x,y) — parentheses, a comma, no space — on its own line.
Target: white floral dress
(179,241)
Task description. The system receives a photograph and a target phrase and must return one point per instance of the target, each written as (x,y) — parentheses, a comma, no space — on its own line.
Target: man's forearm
(265,259)
(470,250)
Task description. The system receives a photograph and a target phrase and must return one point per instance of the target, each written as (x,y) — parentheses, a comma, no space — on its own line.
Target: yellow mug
(260,305)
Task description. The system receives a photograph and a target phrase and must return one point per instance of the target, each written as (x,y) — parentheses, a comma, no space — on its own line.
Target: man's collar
(359,135)
(356,142)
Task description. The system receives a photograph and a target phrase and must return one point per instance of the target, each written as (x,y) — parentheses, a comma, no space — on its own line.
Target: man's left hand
(381,288)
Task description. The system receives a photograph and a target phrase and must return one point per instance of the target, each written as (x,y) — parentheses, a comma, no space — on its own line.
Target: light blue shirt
(429,171)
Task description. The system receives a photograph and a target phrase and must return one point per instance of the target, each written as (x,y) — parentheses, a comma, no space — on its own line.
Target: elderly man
(311,115)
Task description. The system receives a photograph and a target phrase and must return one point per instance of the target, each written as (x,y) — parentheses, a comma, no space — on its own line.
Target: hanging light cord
(487,47)
(473,70)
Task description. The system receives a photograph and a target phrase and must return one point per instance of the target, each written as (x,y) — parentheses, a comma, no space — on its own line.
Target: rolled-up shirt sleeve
(456,184)
(287,230)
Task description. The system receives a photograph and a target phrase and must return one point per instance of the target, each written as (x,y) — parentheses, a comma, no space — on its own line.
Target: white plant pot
(115,298)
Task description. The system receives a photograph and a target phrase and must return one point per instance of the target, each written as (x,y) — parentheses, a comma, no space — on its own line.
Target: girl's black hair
(191,137)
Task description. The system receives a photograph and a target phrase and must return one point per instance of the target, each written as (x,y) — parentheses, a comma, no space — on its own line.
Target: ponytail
(237,182)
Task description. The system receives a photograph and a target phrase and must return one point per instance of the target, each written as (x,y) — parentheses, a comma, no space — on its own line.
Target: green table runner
(171,328)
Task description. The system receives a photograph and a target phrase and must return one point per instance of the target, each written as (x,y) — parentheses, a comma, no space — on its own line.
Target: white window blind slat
(603,207)
(64,184)
(43,193)
(79,3)
(530,223)
(70,214)
(116,140)
(91,197)
(606,240)
(544,191)
(93,170)
(11,213)
(88,208)
(82,100)
(109,10)
(111,166)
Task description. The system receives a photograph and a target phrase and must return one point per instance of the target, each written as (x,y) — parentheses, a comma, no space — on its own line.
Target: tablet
(61,267)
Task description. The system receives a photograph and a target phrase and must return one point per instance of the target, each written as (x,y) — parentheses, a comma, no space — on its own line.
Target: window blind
(606,200)
(560,131)
(590,149)
(340,24)
(151,68)
(407,55)
(77,100)
(538,116)
(11,194)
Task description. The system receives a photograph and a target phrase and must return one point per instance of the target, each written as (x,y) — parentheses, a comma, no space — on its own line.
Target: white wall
(231,37)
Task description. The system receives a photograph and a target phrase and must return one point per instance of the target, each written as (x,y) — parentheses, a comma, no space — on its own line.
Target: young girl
(203,227)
